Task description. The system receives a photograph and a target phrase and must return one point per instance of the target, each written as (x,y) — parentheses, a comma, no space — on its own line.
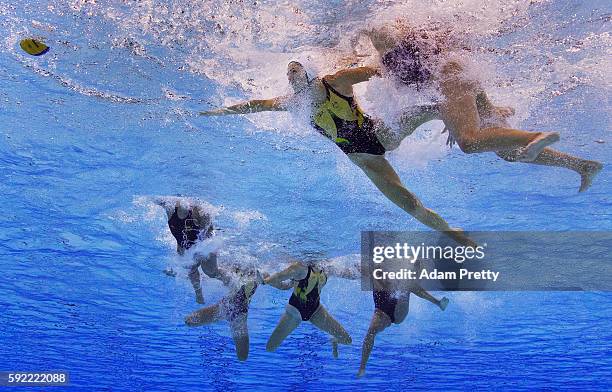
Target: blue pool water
(93,129)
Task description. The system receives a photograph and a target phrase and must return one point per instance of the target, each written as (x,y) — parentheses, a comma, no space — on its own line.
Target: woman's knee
(468,144)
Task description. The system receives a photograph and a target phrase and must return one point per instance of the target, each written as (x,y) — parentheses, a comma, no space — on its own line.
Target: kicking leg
(421,292)
(209,266)
(549,157)
(379,322)
(203,316)
(326,323)
(240,335)
(409,122)
(460,114)
(194,278)
(381,173)
(287,324)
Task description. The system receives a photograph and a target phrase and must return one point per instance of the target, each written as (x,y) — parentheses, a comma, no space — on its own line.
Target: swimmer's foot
(535,147)
(443,303)
(361,372)
(199,297)
(194,319)
(335,348)
(588,173)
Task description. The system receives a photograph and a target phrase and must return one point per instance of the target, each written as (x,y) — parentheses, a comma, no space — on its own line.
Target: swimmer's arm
(296,271)
(286,285)
(348,77)
(164,204)
(351,273)
(252,106)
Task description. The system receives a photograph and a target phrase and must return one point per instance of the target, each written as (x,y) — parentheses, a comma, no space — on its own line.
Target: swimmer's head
(182,206)
(297,75)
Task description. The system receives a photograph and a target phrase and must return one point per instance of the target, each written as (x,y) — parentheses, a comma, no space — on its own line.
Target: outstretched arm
(252,106)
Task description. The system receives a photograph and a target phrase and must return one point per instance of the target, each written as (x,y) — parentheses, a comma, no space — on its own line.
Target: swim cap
(33,47)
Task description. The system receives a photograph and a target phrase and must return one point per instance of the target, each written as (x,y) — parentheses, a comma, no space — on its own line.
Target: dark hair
(304,68)
(404,61)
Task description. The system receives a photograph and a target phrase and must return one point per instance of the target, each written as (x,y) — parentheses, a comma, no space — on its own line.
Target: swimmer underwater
(336,115)
(307,281)
(420,57)
(189,224)
(233,308)
(391,305)
(471,119)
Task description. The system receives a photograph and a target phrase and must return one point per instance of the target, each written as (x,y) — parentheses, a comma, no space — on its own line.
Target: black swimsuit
(306,302)
(385,302)
(356,135)
(238,303)
(186,231)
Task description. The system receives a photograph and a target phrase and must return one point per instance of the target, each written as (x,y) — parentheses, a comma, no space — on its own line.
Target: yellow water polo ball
(33,46)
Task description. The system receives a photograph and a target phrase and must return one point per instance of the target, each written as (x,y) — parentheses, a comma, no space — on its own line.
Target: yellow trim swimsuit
(340,119)
(305,297)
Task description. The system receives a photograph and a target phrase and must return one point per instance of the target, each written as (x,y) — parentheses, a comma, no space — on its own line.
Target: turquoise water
(92,130)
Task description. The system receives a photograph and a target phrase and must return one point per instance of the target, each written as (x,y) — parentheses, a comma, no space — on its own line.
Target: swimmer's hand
(450,140)
(284,285)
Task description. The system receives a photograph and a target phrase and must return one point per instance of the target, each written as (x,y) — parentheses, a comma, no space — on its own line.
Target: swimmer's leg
(287,324)
(381,173)
(240,336)
(460,114)
(421,292)
(194,278)
(207,315)
(379,322)
(409,122)
(550,157)
(326,323)
(209,266)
